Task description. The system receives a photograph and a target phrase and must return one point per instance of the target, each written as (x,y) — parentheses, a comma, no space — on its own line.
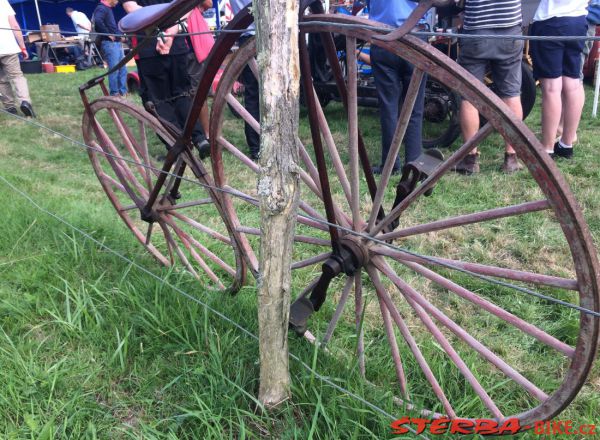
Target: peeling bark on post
(277,48)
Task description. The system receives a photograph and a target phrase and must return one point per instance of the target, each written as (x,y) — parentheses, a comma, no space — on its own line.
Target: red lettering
(592,430)
(511,426)
(486,427)
(397,427)
(461,426)
(569,427)
(538,427)
(557,428)
(439,426)
(421,424)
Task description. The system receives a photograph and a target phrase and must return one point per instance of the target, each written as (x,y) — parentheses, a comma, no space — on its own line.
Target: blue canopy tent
(31,14)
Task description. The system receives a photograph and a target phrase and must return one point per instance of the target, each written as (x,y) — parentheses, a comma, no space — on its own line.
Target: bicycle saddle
(156,16)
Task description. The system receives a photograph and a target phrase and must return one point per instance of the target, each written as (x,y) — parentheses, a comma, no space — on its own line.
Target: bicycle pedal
(300,311)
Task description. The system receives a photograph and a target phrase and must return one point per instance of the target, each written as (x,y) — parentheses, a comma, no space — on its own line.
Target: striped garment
(485,14)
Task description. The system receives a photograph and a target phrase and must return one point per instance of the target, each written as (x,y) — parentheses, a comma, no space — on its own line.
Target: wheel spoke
(492,308)
(437,174)
(199,202)
(420,305)
(200,227)
(412,344)
(333,151)
(238,154)
(310,261)
(128,141)
(403,120)
(108,179)
(338,310)
(353,132)
(297,238)
(245,114)
(358,320)
(481,269)
(173,246)
(389,331)
(191,242)
(409,293)
(467,219)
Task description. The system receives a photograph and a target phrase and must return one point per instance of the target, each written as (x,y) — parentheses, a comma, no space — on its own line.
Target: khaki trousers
(10,74)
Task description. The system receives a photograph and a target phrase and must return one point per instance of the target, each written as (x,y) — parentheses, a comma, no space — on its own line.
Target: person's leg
(574,98)
(180,95)
(111,55)
(122,74)
(12,69)
(413,139)
(514,103)
(551,110)
(252,104)
(389,88)
(7,96)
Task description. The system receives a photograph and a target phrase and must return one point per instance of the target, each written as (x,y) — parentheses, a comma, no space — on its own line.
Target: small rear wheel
(186,226)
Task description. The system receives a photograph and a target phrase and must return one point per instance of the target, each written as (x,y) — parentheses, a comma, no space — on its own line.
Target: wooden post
(277,54)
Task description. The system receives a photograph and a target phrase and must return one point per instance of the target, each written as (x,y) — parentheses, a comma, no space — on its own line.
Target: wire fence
(323,222)
(381,29)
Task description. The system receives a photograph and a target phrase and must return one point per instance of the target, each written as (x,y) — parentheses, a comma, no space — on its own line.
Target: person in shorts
(501,57)
(557,64)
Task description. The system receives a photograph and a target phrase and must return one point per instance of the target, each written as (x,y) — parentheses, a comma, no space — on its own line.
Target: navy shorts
(500,56)
(554,58)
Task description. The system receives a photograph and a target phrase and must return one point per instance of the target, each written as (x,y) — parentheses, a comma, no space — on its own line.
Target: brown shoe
(511,163)
(468,165)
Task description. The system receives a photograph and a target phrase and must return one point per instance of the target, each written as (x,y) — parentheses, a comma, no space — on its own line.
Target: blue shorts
(554,58)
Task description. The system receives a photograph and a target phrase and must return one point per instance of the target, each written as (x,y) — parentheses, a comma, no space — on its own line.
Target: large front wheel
(433,316)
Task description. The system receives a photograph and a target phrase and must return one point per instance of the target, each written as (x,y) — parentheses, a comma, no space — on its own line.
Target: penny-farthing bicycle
(426,314)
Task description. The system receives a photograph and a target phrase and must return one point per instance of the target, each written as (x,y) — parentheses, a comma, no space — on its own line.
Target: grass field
(93,347)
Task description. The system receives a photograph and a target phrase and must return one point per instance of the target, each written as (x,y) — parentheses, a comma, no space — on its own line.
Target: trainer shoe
(560,151)
(511,163)
(27,109)
(468,165)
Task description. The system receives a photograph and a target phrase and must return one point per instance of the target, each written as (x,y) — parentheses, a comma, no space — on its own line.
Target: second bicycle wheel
(127,148)
(435,315)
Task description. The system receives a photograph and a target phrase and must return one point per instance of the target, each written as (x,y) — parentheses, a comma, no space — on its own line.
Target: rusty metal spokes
(412,311)
(185,223)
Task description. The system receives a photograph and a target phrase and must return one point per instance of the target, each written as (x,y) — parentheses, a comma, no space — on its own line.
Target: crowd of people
(170,69)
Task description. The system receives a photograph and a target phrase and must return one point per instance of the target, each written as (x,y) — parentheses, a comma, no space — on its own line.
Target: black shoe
(377,169)
(27,109)
(11,110)
(254,155)
(203,149)
(560,151)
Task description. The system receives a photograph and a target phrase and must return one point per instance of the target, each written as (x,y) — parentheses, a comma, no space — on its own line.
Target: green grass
(92,347)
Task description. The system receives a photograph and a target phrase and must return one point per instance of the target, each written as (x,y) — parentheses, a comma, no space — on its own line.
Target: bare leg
(551,110)
(469,121)
(514,103)
(574,97)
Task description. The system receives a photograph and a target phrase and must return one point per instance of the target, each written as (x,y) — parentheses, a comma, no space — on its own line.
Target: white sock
(560,142)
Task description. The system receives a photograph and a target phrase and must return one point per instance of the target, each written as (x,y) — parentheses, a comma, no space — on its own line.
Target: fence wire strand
(199,302)
(254,200)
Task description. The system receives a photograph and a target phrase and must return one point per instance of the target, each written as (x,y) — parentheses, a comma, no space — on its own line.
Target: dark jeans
(166,82)
(113,53)
(392,76)
(251,103)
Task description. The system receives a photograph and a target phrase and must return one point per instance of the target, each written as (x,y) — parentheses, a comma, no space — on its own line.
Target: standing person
(110,45)
(164,78)
(392,76)
(202,42)
(82,24)
(557,64)
(11,76)
(251,98)
(503,56)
